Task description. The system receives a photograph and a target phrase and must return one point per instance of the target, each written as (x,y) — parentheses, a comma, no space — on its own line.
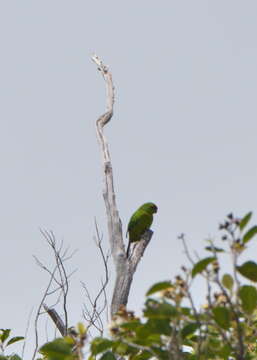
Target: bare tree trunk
(125,268)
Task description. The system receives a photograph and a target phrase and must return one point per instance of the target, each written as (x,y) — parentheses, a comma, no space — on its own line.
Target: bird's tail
(128,249)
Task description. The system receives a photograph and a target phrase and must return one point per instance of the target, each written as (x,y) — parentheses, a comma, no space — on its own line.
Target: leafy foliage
(173,325)
(228,281)
(59,349)
(248,296)
(222,316)
(224,328)
(5,341)
(10,357)
(250,234)
(248,270)
(245,220)
(158,287)
(201,265)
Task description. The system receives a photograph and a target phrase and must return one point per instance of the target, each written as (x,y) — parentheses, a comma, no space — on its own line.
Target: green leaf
(248,270)
(15,357)
(248,296)
(159,310)
(225,351)
(227,281)
(154,326)
(222,317)
(250,234)
(99,345)
(131,325)
(201,265)
(5,334)
(189,356)
(69,340)
(143,355)
(186,311)
(15,339)
(161,354)
(214,248)
(155,339)
(57,350)
(245,221)
(121,348)
(91,357)
(189,329)
(108,356)
(159,287)
(81,328)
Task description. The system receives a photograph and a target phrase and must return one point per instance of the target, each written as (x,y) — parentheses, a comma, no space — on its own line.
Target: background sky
(183,134)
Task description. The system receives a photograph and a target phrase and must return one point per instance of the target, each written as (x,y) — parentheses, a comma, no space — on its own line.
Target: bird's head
(149,207)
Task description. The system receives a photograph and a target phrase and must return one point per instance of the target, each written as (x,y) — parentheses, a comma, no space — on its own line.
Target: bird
(139,222)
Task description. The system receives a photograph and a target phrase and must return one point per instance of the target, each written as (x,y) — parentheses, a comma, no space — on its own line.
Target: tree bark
(124,267)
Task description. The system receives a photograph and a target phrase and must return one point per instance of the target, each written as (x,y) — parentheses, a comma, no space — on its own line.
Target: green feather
(139,222)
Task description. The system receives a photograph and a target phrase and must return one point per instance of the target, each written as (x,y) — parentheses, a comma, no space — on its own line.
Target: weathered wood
(125,268)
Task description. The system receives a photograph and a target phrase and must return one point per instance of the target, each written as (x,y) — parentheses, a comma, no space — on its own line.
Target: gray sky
(183,134)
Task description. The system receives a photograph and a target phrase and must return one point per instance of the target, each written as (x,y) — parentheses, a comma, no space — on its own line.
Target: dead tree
(125,267)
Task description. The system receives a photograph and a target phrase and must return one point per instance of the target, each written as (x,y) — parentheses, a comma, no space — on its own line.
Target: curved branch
(125,268)
(114,222)
(56,319)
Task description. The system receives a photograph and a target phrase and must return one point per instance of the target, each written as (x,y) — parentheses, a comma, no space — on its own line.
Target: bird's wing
(138,224)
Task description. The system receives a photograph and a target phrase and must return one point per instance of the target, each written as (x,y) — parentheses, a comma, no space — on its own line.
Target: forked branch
(57,288)
(125,268)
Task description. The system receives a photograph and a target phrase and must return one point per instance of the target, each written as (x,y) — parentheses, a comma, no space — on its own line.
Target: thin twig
(58,284)
(38,312)
(182,237)
(26,333)
(93,316)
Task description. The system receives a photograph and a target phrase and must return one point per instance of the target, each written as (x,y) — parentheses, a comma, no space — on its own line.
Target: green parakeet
(139,222)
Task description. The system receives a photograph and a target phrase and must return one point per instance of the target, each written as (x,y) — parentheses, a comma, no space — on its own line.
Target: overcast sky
(183,134)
